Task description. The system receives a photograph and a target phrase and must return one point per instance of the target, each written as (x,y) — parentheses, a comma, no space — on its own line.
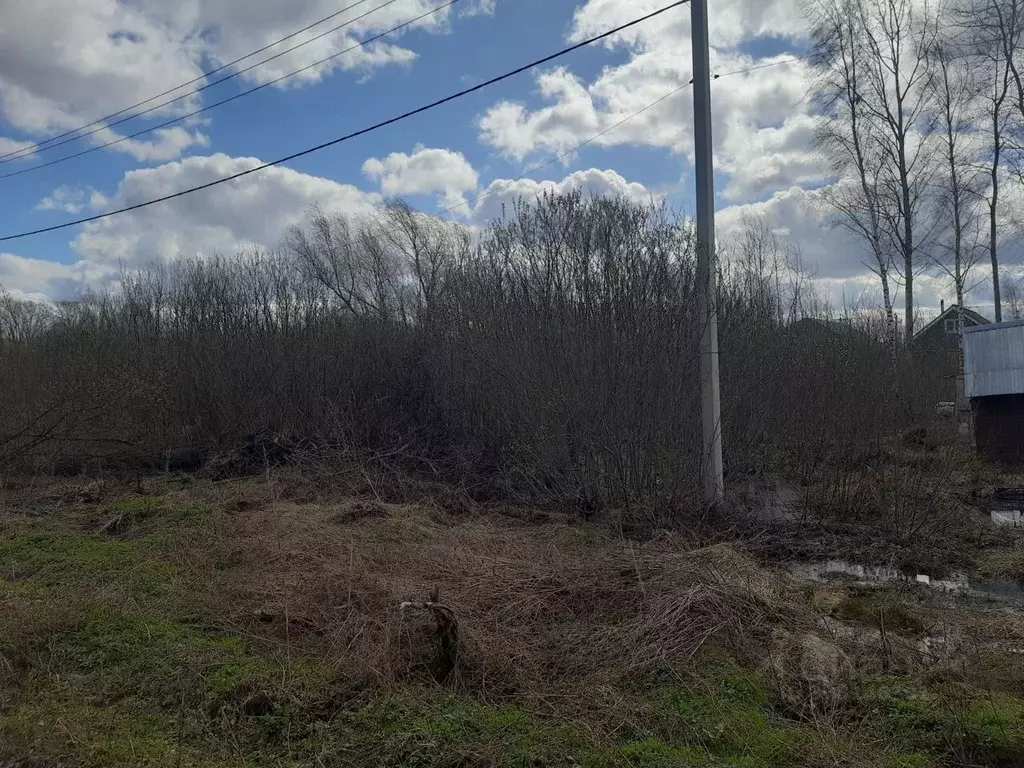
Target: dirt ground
(293,619)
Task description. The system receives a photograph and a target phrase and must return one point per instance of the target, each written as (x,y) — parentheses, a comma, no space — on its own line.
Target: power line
(194,80)
(556,158)
(763,66)
(101,124)
(355,134)
(260,87)
(229,99)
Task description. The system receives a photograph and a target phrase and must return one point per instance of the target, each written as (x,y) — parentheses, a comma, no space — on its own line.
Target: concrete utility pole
(711,401)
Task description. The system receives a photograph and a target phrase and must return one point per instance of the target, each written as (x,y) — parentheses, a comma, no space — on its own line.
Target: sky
(68,63)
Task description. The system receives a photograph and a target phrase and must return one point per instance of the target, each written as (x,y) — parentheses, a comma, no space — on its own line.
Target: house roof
(971,316)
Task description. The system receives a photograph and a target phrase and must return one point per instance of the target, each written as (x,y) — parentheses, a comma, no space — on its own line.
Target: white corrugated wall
(994,359)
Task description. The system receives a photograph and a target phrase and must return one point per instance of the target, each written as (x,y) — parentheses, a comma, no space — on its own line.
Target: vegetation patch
(881,610)
(966,725)
(117,650)
(1004,563)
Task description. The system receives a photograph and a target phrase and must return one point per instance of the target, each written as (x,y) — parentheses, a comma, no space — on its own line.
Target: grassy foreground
(243,623)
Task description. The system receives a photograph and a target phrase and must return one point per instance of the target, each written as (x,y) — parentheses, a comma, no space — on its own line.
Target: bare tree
(957,210)
(899,35)
(1014,295)
(848,137)
(21,320)
(874,77)
(996,29)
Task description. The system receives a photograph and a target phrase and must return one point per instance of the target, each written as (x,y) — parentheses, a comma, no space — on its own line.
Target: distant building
(994,383)
(936,351)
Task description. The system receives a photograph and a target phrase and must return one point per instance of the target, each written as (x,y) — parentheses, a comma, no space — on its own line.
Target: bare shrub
(553,357)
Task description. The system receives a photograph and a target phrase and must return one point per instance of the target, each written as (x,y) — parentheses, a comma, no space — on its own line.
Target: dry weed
(538,606)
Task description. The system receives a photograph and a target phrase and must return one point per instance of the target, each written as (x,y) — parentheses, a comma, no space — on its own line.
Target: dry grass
(540,606)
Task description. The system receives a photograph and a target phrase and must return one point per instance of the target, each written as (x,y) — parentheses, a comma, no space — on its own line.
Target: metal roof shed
(994,382)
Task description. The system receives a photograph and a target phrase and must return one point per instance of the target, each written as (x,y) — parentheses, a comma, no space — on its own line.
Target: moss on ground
(880,609)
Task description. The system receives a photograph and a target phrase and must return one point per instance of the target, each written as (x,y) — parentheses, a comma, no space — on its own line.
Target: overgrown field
(175,620)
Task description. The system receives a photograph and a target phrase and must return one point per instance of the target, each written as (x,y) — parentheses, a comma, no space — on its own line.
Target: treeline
(921,115)
(553,355)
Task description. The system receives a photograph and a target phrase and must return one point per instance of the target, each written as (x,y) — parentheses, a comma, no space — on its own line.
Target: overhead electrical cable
(355,134)
(100,125)
(561,156)
(556,158)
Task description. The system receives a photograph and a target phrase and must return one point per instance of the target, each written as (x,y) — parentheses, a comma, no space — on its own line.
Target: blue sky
(68,62)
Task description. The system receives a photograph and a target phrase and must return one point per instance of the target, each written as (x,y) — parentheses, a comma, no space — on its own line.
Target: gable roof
(971,317)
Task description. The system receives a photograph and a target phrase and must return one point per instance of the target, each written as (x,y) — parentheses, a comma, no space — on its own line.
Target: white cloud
(800,218)
(422,172)
(166,144)
(770,158)
(479,8)
(730,22)
(761,118)
(43,279)
(514,131)
(64,198)
(253,209)
(71,199)
(12,147)
(69,62)
(595,182)
(235,27)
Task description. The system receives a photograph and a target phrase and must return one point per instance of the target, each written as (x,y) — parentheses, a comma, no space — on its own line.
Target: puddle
(1008,517)
(1007,506)
(867,575)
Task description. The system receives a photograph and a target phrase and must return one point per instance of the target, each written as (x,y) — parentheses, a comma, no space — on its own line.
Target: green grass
(979,727)
(1004,563)
(879,609)
(112,656)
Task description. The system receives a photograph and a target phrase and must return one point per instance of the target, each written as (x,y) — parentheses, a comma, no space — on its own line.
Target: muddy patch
(1010,592)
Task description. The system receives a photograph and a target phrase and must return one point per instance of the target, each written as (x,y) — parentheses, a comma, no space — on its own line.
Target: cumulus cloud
(13,147)
(840,264)
(253,209)
(479,8)
(423,172)
(732,22)
(594,182)
(235,27)
(165,144)
(48,280)
(762,118)
(800,217)
(71,199)
(69,62)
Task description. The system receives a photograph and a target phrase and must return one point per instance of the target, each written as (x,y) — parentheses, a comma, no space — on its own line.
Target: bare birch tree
(874,80)
(996,29)
(1014,296)
(846,138)
(957,210)
(899,35)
